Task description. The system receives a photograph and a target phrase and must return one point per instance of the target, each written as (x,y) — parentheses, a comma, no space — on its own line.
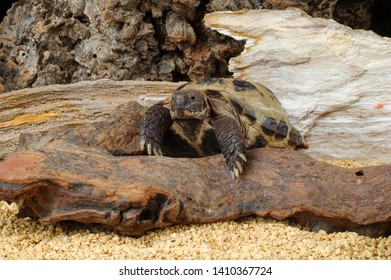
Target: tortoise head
(189,104)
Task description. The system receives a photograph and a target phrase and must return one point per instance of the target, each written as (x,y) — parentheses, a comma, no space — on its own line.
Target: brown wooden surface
(44,108)
(70,174)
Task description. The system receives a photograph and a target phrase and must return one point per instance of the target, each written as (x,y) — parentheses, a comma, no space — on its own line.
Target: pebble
(247,238)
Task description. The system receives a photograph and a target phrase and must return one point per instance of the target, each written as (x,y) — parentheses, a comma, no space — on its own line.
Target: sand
(249,238)
(246,238)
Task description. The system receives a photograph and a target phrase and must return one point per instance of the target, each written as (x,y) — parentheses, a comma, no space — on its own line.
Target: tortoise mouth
(186,114)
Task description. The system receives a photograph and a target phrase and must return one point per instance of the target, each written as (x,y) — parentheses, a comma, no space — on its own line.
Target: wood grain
(42,108)
(71,174)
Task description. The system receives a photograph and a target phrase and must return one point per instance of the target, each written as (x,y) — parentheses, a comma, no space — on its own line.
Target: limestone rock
(334,82)
(71,174)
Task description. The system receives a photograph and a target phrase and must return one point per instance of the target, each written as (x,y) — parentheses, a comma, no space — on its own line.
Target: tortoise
(219,115)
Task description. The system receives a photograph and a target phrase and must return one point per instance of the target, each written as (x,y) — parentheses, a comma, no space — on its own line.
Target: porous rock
(71,174)
(59,42)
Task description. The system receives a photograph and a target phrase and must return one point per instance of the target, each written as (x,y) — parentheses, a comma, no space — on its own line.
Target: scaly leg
(231,141)
(156,121)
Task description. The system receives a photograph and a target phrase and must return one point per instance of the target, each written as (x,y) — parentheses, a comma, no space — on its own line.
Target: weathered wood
(71,174)
(334,82)
(38,109)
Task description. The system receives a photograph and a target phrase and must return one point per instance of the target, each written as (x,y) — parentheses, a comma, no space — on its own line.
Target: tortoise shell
(257,111)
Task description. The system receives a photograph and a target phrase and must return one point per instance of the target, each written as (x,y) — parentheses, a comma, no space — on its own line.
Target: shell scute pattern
(260,113)
(218,115)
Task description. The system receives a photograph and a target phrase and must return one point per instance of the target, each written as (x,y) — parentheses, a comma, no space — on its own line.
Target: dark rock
(381,20)
(57,42)
(357,14)
(71,174)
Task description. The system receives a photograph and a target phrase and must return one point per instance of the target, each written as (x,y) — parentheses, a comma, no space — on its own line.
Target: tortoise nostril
(180,101)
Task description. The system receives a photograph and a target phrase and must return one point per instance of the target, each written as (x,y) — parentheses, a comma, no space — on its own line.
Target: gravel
(250,238)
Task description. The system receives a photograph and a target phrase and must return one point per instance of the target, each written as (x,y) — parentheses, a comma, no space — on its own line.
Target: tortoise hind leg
(231,141)
(156,121)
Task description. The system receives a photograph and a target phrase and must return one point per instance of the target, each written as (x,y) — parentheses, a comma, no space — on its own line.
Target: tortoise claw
(152,148)
(157,151)
(149,149)
(239,166)
(236,171)
(243,157)
(232,175)
(142,144)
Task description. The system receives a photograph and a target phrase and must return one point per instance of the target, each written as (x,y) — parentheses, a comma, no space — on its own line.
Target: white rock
(334,82)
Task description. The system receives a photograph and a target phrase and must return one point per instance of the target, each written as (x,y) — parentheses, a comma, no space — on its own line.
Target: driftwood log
(43,108)
(94,173)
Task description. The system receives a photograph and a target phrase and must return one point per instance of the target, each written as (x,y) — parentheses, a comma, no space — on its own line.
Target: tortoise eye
(192,97)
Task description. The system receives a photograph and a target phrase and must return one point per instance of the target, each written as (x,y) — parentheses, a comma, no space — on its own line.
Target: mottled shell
(261,114)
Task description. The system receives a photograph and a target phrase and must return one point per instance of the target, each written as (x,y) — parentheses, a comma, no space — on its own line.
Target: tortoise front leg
(231,141)
(157,120)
